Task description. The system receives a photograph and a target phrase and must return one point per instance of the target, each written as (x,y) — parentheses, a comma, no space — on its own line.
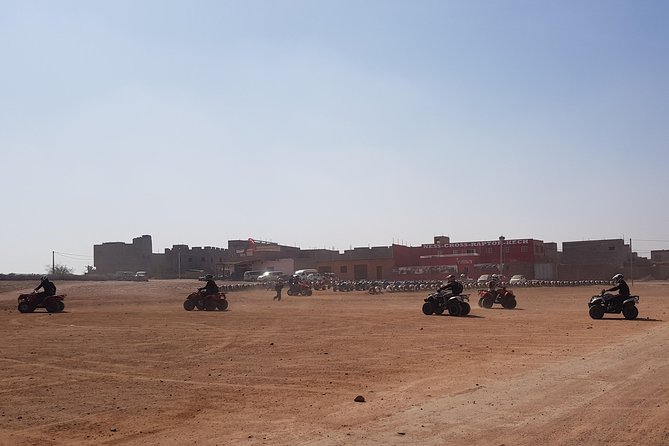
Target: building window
(506,249)
(612,248)
(190,259)
(471,251)
(523,248)
(343,269)
(455,251)
(488,250)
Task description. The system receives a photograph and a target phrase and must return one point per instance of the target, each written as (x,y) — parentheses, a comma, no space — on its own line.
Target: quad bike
(437,303)
(30,301)
(301,288)
(609,303)
(208,302)
(502,296)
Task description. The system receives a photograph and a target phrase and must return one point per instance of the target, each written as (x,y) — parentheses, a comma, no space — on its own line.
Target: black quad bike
(437,303)
(609,303)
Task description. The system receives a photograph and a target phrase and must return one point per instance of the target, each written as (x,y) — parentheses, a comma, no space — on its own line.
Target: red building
(435,260)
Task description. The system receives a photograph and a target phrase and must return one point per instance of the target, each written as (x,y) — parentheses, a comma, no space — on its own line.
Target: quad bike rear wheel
(210,305)
(454,308)
(439,310)
(51,306)
(25,307)
(466,308)
(428,308)
(189,305)
(596,312)
(222,305)
(630,311)
(61,306)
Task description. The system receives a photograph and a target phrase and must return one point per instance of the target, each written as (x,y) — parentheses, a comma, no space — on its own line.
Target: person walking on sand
(278,287)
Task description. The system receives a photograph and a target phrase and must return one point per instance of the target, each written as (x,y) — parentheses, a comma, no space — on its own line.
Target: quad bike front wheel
(596,312)
(487,301)
(466,308)
(428,308)
(630,311)
(189,305)
(508,302)
(61,306)
(222,305)
(25,307)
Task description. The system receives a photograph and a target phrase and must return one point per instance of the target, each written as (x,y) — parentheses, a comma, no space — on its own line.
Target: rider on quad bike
(49,290)
(210,287)
(452,288)
(621,287)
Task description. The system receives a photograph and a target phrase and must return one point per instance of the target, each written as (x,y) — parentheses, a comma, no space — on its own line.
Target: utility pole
(631,263)
(501,256)
(179,264)
(53,262)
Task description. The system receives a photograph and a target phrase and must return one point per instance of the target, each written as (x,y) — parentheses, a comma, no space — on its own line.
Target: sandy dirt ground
(125,364)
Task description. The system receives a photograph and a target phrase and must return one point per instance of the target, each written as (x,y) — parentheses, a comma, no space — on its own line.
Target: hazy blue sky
(330,123)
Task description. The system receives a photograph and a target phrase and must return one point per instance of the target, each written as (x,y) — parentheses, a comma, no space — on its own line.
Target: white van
(270,276)
(305,272)
(252,276)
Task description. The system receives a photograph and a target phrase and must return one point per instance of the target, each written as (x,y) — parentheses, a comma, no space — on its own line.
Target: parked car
(517,279)
(484,279)
(270,276)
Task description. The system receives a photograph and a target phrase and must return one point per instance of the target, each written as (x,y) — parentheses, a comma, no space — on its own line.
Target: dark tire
(51,306)
(466,308)
(61,306)
(508,302)
(290,292)
(454,308)
(596,312)
(630,311)
(210,305)
(222,305)
(487,301)
(189,305)
(428,308)
(309,292)
(199,304)
(25,307)
(481,302)
(439,310)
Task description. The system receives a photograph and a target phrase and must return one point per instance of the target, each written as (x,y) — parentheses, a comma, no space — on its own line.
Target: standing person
(49,290)
(210,287)
(278,287)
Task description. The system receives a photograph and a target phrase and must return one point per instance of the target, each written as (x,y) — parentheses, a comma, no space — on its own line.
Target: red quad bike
(209,302)
(29,302)
(487,298)
(301,288)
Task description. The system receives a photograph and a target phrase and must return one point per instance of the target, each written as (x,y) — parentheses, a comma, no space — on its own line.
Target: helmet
(617,278)
(208,277)
(44,277)
(450,277)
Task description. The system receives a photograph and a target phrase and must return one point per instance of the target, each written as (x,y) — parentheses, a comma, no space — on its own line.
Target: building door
(379,272)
